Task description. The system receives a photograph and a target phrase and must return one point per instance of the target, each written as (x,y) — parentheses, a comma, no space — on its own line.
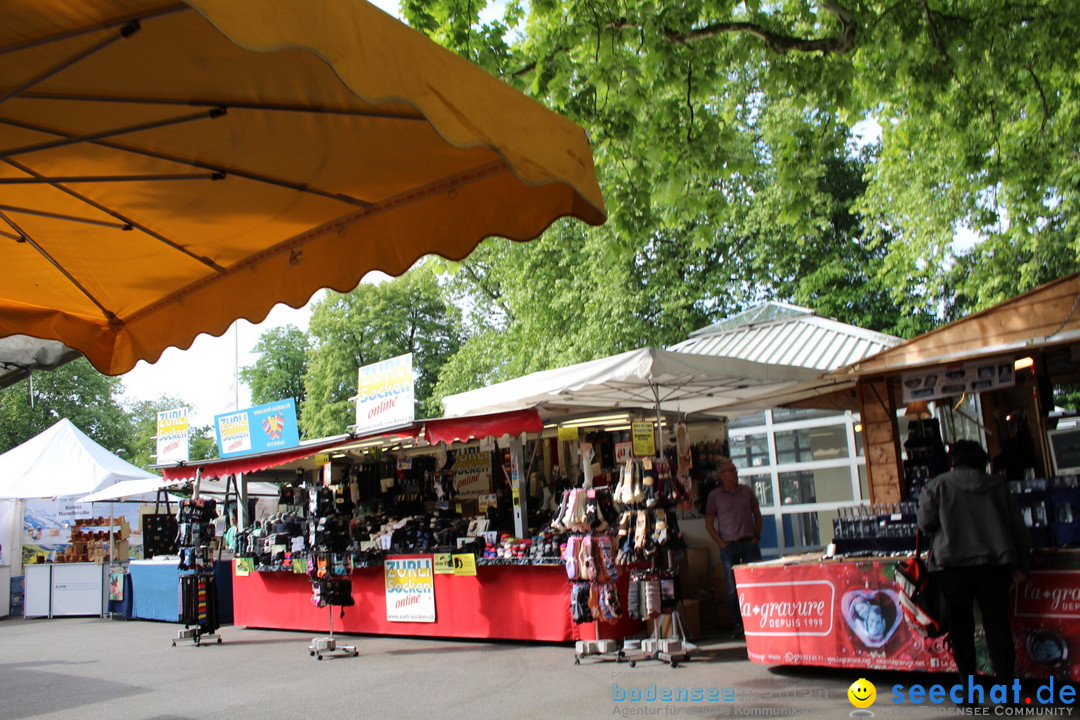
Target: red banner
(847,614)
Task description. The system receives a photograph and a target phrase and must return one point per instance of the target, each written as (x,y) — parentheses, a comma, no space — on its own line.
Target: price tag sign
(644,439)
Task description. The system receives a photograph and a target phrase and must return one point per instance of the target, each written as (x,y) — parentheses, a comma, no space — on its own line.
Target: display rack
(198,587)
(649,538)
(330,562)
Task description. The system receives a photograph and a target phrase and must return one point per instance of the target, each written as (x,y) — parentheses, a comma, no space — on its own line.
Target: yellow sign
(568,434)
(244,566)
(465,564)
(444,563)
(644,439)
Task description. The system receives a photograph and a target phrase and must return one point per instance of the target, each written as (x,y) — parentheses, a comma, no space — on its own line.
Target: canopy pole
(659,420)
(517,487)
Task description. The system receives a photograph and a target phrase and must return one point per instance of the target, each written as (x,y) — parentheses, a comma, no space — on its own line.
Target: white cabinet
(62,589)
(37,589)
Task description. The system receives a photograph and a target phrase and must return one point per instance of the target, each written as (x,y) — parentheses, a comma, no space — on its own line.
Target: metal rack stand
(600,650)
(328,644)
(673,649)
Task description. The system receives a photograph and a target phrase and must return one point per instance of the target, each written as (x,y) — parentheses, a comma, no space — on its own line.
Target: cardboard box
(694,574)
(468,507)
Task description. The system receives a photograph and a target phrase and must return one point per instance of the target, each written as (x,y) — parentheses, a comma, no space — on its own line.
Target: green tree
(75,391)
(702,110)
(372,323)
(279,372)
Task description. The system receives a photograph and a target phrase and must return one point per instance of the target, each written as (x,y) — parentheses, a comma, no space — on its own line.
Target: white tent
(62,462)
(648,378)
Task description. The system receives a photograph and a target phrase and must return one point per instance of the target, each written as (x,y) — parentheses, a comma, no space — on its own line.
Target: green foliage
(372,323)
(707,115)
(279,372)
(75,391)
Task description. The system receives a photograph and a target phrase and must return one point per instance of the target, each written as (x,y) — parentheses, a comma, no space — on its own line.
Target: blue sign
(258,429)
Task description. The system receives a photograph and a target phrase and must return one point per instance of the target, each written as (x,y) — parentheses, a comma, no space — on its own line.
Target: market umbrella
(169,167)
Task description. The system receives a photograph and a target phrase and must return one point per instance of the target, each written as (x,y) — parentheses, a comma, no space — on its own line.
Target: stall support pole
(517,487)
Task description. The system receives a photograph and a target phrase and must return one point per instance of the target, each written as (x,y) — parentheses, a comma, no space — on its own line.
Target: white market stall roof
(649,378)
(62,462)
(134,491)
(779,333)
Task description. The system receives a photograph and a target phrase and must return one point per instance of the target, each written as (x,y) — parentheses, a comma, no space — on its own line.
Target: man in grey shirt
(733,520)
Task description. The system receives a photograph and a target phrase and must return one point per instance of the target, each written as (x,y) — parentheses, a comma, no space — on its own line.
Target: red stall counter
(505,602)
(846,614)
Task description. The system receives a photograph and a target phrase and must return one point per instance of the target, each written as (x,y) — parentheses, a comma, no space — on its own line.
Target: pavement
(112,669)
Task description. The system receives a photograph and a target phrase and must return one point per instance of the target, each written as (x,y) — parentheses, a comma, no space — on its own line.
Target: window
(797,488)
(749,450)
(762,487)
(807,444)
(802,529)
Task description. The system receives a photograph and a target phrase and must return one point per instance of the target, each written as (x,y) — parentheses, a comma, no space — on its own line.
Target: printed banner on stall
(410,589)
(47,526)
(842,614)
(848,615)
(172,436)
(951,380)
(472,472)
(385,395)
(257,429)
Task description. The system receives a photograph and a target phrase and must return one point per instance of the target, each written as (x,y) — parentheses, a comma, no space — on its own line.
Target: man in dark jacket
(980,549)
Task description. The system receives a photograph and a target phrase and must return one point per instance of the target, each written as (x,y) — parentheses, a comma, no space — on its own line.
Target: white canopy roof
(62,462)
(643,378)
(145,490)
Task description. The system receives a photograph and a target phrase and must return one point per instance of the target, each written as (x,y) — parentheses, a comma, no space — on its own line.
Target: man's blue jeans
(737,553)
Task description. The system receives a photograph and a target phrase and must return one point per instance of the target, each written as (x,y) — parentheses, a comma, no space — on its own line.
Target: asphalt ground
(109,669)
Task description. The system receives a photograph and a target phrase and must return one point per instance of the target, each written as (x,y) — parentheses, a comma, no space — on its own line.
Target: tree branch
(1042,95)
(934,33)
(776,42)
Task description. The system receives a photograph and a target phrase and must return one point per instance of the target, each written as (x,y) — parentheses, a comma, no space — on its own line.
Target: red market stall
(504,602)
(846,614)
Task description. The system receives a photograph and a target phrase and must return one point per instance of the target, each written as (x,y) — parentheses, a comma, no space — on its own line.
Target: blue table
(155,589)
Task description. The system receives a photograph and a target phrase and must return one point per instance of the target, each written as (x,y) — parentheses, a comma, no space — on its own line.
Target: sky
(204,375)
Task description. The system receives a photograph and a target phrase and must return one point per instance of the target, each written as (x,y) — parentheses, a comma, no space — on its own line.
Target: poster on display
(385,395)
(172,436)
(643,437)
(47,525)
(410,588)
(944,381)
(472,472)
(257,429)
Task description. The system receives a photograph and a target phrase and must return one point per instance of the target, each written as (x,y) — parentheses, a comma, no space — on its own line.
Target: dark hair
(968,453)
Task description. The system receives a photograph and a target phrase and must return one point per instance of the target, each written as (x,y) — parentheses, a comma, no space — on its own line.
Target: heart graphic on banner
(872,614)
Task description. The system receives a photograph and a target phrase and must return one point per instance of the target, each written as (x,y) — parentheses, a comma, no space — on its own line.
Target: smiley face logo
(862,693)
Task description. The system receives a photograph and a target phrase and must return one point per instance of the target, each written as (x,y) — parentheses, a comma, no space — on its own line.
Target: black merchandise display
(926,458)
(329,541)
(159,534)
(198,589)
(330,559)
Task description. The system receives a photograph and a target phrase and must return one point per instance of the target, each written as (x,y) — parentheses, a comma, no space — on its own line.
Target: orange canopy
(169,167)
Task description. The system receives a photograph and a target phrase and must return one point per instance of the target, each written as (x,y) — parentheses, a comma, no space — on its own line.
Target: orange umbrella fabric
(169,167)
